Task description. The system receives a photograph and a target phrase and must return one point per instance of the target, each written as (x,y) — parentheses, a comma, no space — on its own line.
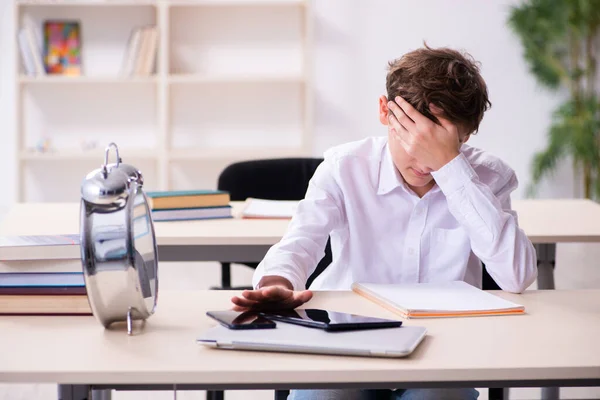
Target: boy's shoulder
(369,148)
(491,170)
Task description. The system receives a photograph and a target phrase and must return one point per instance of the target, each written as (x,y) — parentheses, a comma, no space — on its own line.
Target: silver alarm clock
(118,244)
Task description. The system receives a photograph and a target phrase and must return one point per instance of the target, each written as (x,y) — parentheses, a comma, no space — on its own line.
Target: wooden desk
(546,222)
(556,343)
(559,221)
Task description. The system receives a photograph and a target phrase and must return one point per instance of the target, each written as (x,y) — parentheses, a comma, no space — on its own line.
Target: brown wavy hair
(445,77)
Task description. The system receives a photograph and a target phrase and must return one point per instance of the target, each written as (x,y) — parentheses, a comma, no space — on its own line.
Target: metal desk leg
(546,254)
(74,392)
(101,394)
(550,393)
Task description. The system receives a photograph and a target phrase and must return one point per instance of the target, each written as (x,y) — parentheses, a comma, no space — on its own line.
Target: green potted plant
(560,41)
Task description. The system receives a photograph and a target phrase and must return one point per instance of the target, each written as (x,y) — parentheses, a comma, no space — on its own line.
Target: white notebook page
(445,296)
(259,208)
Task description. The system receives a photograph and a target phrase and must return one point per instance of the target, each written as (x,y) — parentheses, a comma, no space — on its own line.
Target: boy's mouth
(418,173)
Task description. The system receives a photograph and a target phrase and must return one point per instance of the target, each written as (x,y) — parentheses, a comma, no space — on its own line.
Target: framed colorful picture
(62,47)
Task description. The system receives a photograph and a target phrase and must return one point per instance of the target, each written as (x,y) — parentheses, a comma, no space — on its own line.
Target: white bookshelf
(231,82)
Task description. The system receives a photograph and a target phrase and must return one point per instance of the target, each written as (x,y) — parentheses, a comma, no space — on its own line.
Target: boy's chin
(415,181)
(419,182)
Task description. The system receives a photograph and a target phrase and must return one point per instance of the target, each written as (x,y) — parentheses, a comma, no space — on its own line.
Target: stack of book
(42,275)
(140,55)
(31,51)
(189,205)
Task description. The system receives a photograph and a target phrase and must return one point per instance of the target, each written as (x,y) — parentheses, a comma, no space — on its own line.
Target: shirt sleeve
(297,254)
(490,222)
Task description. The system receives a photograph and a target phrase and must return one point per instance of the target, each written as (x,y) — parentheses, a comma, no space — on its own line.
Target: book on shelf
(141,50)
(161,200)
(62,47)
(268,209)
(183,214)
(31,52)
(435,300)
(39,247)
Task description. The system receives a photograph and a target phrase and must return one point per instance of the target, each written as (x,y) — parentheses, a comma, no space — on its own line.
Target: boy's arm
(491,223)
(296,256)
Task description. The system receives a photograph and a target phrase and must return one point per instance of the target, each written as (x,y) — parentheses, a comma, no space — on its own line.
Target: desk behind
(546,222)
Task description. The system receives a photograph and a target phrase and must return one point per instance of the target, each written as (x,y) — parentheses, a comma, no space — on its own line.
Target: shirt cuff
(284,273)
(454,175)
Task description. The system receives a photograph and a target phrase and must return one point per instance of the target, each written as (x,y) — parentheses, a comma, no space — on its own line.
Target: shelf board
(192,154)
(84,155)
(173,3)
(226,3)
(199,78)
(84,3)
(45,79)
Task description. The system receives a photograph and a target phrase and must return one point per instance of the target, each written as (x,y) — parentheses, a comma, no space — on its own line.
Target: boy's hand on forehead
(432,145)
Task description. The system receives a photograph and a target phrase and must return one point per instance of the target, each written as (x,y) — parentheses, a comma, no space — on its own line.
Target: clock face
(144,249)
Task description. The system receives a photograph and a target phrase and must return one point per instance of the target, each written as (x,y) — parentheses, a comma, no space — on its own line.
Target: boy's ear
(383,110)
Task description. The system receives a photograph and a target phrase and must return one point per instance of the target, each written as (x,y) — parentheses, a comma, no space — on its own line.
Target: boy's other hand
(276,297)
(430,144)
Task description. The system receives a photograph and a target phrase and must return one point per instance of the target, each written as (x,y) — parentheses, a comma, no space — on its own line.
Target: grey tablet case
(386,342)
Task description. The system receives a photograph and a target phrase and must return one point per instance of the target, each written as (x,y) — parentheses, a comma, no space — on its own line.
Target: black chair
(271,179)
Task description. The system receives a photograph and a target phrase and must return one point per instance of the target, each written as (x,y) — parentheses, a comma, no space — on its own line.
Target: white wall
(7,118)
(354,40)
(355,43)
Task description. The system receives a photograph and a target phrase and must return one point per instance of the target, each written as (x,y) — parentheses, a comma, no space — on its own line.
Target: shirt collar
(389,177)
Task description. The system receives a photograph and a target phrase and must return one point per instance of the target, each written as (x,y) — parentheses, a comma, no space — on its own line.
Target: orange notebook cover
(437,300)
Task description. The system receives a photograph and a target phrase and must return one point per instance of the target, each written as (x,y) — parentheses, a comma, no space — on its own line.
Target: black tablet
(330,320)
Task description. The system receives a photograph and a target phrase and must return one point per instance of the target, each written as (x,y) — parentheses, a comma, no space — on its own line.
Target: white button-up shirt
(382,232)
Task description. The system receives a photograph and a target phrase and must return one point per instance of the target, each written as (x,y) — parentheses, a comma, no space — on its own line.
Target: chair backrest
(487,282)
(272,179)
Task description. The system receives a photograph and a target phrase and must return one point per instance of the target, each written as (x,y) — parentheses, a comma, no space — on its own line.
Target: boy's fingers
(256,295)
(240,301)
(397,125)
(402,135)
(412,112)
(276,292)
(305,296)
(401,116)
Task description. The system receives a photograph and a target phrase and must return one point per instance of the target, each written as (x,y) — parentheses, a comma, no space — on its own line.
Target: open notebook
(269,209)
(429,300)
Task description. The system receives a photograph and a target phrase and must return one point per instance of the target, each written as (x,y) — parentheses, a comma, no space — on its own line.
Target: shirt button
(418,211)
(411,251)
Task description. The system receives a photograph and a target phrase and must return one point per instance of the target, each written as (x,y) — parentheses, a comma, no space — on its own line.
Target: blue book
(43,279)
(178,193)
(183,214)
